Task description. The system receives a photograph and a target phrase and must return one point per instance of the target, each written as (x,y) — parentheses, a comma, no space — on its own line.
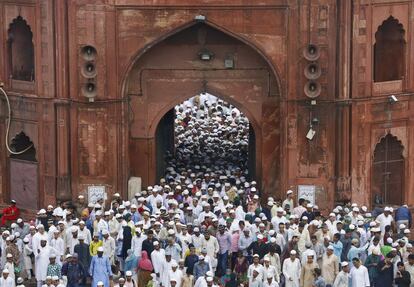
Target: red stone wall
(80,143)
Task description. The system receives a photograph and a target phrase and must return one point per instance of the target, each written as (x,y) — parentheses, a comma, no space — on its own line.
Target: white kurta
(41,262)
(291,270)
(8,282)
(109,248)
(341,280)
(359,277)
(157,258)
(59,246)
(165,271)
(177,275)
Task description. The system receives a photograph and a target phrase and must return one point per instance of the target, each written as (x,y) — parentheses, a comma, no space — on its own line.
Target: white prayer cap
(344,264)
(81,196)
(39,226)
(52,255)
(387,209)
(100,249)
(19,220)
(97,205)
(364,208)
(100,283)
(13,225)
(98,213)
(209,279)
(406,231)
(355,209)
(402,226)
(156,243)
(269,275)
(9,255)
(55,278)
(330,247)
(68,256)
(389,240)
(260,236)
(81,237)
(376,251)
(289,191)
(117,195)
(91,205)
(105,232)
(73,229)
(107,213)
(20,280)
(128,273)
(309,205)
(201,257)
(5,270)
(42,211)
(293,252)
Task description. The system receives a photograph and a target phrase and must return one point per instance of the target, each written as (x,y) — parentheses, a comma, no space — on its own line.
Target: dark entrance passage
(388,172)
(206,133)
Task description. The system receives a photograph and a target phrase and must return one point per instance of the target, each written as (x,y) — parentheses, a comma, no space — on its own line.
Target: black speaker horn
(312,71)
(311,52)
(312,89)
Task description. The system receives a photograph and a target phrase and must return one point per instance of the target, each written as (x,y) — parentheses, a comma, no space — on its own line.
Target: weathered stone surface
(147,62)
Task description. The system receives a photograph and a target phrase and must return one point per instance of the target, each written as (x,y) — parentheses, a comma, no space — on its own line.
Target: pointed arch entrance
(196,59)
(388,171)
(168,127)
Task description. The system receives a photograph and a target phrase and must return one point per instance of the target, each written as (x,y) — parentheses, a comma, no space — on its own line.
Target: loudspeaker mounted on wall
(88,72)
(312,71)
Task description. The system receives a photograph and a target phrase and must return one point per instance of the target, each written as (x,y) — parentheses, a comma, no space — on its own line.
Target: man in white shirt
(292,270)
(342,279)
(359,274)
(6,280)
(385,219)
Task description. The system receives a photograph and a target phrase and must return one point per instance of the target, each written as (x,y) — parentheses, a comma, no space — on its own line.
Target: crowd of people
(205,225)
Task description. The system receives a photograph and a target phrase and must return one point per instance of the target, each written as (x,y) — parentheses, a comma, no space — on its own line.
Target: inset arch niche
(20,51)
(388,172)
(389,51)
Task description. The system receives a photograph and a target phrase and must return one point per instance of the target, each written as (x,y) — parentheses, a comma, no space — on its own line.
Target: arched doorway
(195,59)
(206,131)
(388,172)
(24,170)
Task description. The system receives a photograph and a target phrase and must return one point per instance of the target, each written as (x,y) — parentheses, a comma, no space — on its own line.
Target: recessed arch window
(388,171)
(389,51)
(20,51)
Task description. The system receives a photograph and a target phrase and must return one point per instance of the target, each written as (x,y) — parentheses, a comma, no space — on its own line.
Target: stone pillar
(343,136)
(63,180)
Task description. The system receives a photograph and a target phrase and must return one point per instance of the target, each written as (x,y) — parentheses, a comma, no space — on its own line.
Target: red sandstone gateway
(92,85)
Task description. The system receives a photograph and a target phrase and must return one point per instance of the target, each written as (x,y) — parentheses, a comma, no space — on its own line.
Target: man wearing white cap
(289,200)
(42,255)
(85,232)
(100,269)
(57,243)
(343,278)
(292,270)
(157,258)
(108,244)
(329,266)
(279,218)
(359,274)
(175,274)
(385,219)
(6,280)
(10,265)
